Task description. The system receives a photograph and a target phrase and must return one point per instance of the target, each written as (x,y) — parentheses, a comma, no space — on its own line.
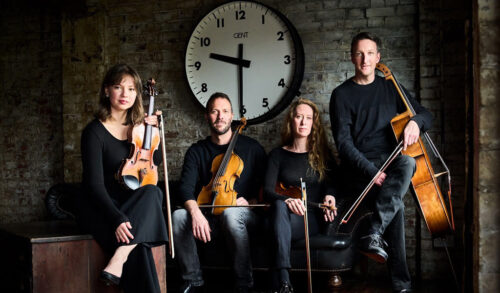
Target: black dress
(106,204)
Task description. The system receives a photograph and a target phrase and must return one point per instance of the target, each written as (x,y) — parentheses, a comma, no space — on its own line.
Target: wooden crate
(55,257)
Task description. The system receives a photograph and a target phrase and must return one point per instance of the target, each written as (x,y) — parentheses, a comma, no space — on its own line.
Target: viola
(226,168)
(139,168)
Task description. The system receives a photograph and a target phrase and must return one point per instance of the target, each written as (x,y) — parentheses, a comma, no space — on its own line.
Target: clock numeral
(220,22)
(263,19)
(287,59)
(240,14)
(204,87)
(265,102)
(243,110)
(205,42)
(197,64)
(281,83)
(280,36)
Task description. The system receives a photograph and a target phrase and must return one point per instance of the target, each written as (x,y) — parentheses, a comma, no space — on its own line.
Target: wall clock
(249,51)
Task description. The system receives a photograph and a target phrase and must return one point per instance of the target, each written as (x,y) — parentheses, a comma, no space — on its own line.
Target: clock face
(251,53)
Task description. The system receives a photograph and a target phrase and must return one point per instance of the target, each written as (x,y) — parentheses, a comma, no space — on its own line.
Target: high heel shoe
(109,279)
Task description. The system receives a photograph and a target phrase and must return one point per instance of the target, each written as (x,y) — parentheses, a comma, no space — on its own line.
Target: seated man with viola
(200,173)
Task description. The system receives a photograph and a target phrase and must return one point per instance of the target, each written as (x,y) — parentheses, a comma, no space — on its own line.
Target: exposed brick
(354,3)
(377,3)
(382,11)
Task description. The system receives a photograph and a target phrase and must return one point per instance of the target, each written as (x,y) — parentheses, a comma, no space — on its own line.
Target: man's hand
(296,206)
(201,228)
(123,234)
(241,201)
(411,134)
(379,180)
(329,214)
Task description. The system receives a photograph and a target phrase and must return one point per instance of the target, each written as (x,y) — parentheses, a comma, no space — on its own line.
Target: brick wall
(92,35)
(488,186)
(30,116)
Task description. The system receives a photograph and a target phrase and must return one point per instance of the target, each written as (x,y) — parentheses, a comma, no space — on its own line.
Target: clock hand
(240,81)
(232,60)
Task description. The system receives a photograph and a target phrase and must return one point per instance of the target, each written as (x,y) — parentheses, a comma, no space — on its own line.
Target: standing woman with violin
(126,223)
(305,155)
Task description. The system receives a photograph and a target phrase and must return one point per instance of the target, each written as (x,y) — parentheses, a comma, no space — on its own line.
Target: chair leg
(334,281)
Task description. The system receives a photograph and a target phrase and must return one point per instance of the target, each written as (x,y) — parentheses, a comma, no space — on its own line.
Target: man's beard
(220,132)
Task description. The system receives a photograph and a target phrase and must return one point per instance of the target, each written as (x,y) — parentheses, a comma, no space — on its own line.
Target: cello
(424,184)
(219,193)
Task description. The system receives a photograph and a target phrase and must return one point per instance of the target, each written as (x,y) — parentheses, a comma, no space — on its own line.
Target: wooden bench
(55,257)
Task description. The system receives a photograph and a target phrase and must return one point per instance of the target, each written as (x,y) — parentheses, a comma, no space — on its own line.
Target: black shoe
(109,279)
(243,289)
(403,291)
(373,246)
(285,288)
(189,287)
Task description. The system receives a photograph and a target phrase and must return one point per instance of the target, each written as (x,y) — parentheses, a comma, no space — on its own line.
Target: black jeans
(388,218)
(288,227)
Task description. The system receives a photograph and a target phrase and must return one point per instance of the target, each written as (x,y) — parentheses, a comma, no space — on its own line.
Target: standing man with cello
(361,110)
(192,223)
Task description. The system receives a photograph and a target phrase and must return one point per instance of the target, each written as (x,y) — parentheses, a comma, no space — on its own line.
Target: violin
(219,193)
(296,192)
(139,169)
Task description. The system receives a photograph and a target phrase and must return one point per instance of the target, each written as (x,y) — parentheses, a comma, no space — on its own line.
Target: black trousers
(387,220)
(288,227)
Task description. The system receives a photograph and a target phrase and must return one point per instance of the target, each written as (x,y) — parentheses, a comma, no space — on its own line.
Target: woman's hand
(329,213)
(123,234)
(296,206)
(153,119)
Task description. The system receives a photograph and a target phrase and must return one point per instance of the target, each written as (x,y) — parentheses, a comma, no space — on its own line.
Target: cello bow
(367,189)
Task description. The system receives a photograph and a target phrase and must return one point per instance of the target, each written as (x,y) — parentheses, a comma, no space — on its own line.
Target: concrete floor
(221,282)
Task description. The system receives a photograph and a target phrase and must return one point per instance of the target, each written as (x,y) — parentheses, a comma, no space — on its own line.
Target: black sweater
(360,117)
(288,167)
(196,171)
(102,156)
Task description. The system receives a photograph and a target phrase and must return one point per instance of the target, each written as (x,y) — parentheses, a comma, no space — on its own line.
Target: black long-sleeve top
(360,117)
(288,167)
(196,171)
(102,156)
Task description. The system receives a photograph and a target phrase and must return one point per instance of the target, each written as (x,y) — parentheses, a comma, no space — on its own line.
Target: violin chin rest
(131,182)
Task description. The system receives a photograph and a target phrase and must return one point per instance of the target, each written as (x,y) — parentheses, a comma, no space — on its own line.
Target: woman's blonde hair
(115,74)
(319,152)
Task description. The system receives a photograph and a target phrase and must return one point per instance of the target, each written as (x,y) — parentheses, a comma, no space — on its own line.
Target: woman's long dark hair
(115,74)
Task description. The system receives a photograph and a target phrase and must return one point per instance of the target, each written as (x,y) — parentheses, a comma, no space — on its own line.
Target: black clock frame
(298,73)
